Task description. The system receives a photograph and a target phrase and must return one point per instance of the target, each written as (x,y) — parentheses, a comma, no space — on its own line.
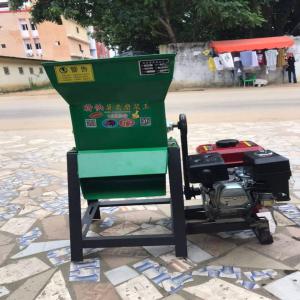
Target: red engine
(232,151)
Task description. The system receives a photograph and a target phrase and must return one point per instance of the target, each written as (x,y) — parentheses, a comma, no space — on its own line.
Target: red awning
(252,44)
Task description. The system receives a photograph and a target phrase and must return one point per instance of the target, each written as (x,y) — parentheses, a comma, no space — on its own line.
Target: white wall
(191,67)
(16,81)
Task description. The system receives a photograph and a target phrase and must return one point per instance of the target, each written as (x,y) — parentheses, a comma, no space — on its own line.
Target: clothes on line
(227,60)
(211,64)
(254,58)
(281,58)
(246,58)
(261,58)
(238,67)
(218,64)
(249,59)
(271,57)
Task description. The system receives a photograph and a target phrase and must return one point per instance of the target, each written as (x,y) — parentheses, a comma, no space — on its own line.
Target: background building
(25,45)
(4,5)
(102,51)
(21,73)
(20,37)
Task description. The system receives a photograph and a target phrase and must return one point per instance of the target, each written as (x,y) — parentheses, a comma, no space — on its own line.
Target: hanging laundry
(261,58)
(211,64)
(218,64)
(236,60)
(237,72)
(237,64)
(254,62)
(246,58)
(271,57)
(227,60)
(206,52)
(281,58)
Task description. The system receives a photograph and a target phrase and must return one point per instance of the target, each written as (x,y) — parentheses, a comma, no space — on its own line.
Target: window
(21,71)
(80,48)
(77,29)
(3,45)
(28,46)
(33,26)
(3,4)
(37,44)
(24,27)
(6,70)
(31,70)
(41,70)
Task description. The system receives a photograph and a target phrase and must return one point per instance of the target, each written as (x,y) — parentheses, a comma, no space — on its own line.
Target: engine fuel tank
(232,151)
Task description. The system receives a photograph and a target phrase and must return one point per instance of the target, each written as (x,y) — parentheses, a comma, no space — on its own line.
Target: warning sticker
(74,73)
(154,66)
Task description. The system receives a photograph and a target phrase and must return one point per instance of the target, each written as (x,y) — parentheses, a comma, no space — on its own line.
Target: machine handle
(182,126)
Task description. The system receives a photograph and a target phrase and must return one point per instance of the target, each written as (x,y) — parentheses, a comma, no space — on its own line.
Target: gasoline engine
(235,179)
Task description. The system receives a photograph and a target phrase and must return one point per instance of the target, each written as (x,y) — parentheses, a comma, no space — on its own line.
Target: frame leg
(97,215)
(74,207)
(177,202)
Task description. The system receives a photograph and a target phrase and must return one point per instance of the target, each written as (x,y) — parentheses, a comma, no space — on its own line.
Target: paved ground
(34,252)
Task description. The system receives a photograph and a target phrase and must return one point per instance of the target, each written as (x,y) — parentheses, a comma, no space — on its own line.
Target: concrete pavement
(34,249)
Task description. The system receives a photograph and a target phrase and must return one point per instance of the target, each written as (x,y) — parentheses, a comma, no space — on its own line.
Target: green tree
(282,17)
(144,24)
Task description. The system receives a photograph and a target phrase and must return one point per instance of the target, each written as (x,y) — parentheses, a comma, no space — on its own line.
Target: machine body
(123,153)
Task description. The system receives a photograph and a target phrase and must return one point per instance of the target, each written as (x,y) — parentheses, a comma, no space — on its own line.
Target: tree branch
(166,22)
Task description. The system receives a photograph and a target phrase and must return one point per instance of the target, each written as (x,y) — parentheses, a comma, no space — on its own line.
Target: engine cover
(232,151)
(207,168)
(271,172)
(230,198)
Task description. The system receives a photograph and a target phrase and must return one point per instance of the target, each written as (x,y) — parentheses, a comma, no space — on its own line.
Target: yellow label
(74,73)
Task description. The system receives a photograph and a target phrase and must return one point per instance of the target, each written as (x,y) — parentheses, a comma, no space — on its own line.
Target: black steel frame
(80,226)
(197,212)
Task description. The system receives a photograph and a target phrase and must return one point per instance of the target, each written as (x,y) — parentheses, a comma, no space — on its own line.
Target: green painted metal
(118,88)
(117,107)
(123,187)
(122,162)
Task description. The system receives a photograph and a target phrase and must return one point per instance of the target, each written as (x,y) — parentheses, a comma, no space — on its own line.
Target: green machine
(122,151)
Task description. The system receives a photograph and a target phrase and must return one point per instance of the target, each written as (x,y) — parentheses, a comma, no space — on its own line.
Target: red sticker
(96,115)
(126,123)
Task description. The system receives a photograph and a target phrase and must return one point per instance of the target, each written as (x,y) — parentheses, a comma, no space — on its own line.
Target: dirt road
(46,109)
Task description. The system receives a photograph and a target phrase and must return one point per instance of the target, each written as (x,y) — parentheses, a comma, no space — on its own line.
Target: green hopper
(122,150)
